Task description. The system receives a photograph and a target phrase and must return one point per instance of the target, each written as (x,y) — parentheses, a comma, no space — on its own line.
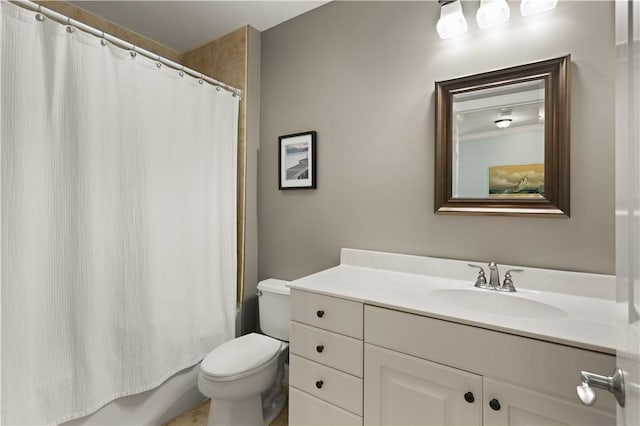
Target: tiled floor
(198,416)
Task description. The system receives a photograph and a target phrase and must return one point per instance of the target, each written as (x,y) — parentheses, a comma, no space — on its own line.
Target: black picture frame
(297,161)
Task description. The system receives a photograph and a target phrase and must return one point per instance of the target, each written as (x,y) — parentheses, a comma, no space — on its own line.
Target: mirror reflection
(498,141)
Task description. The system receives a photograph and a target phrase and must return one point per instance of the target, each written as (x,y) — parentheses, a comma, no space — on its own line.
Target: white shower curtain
(118,237)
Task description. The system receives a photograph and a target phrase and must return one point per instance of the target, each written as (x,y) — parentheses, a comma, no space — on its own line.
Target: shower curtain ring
(39,15)
(69,26)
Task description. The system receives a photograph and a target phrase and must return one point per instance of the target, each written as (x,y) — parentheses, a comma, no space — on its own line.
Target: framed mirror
(502,141)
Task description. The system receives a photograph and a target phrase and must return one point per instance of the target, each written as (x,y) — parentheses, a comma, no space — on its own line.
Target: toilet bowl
(243,377)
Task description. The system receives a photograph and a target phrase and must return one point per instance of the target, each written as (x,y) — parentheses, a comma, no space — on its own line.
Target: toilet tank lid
(274,285)
(240,354)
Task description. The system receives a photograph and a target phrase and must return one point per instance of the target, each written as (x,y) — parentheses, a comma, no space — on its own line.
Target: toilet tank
(273,307)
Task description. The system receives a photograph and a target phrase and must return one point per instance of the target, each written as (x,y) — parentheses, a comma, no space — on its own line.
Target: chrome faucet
(494,278)
(494,275)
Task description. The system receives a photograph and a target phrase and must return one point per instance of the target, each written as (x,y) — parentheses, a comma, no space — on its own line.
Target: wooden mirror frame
(556,75)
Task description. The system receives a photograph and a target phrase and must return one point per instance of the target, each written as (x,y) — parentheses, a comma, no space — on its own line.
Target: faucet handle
(481,281)
(507,284)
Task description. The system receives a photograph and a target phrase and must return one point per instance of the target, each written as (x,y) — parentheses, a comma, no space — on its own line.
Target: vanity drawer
(336,387)
(326,312)
(305,409)
(325,347)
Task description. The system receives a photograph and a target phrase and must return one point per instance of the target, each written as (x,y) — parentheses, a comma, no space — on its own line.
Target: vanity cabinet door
(403,390)
(506,404)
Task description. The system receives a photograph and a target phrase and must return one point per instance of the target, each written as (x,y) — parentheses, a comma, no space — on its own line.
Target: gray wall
(362,75)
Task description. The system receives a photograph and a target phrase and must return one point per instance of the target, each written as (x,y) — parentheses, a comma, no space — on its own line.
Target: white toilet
(243,377)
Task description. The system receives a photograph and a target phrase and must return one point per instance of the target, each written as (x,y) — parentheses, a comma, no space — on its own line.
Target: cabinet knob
(320,314)
(319,384)
(494,404)
(469,397)
(319,348)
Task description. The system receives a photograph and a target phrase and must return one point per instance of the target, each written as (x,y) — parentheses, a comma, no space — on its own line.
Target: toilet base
(273,410)
(246,412)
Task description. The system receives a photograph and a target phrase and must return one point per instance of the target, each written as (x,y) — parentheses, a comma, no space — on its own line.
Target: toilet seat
(240,357)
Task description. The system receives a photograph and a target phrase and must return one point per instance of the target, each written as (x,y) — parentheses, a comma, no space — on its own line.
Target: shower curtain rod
(65,20)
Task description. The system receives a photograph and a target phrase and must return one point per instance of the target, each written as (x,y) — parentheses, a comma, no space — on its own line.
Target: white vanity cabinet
(437,372)
(326,360)
(352,363)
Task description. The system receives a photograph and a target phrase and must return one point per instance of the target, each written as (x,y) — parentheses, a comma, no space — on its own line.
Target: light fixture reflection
(451,22)
(503,123)
(531,7)
(492,12)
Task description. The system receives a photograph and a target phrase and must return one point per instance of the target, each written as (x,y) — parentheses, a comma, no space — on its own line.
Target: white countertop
(584,322)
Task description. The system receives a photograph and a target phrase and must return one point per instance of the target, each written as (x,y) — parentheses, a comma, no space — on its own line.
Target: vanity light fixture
(451,22)
(492,12)
(531,7)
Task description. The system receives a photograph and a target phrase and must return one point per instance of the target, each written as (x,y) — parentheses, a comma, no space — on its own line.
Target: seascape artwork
(517,181)
(297,161)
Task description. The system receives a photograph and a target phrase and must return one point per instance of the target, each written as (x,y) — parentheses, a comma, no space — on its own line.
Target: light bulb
(492,12)
(503,123)
(531,7)
(451,22)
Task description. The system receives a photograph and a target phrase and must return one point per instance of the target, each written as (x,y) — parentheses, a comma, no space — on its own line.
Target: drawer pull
(319,348)
(469,397)
(494,404)
(320,314)
(319,384)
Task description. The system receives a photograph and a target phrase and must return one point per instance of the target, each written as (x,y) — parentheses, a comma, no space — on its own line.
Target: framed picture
(297,161)
(517,181)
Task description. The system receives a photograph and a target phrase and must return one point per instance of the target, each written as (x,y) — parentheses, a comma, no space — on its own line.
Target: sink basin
(497,303)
